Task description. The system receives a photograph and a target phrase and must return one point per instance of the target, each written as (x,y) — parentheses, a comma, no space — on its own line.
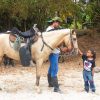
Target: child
(88,69)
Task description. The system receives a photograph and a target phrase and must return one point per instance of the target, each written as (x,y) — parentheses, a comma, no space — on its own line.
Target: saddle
(15,32)
(27,34)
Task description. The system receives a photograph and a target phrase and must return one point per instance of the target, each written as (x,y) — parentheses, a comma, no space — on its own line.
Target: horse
(41,49)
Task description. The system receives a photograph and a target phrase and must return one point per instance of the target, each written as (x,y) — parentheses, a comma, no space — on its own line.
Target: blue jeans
(53,69)
(88,80)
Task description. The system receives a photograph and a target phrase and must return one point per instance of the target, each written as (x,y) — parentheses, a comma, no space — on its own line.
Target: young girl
(88,69)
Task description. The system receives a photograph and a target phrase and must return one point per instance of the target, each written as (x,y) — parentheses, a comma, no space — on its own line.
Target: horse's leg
(38,73)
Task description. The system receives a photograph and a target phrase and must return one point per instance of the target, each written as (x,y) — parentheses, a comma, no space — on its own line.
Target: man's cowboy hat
(58,19)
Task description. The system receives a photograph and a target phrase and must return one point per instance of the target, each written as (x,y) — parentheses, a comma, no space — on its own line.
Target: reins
(44,43)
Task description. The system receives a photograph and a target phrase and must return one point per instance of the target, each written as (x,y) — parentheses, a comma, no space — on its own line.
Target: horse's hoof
(38,90)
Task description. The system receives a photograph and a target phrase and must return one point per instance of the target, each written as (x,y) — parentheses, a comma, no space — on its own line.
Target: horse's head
(70,41)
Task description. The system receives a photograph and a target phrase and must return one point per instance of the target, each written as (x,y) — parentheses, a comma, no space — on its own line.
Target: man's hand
(64,49)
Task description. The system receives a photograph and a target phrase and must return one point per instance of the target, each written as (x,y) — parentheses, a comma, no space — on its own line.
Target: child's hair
(94,53)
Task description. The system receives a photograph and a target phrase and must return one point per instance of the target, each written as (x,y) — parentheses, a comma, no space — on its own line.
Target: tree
(24,13)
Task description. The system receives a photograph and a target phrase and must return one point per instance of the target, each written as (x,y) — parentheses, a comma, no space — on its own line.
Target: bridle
(72,42)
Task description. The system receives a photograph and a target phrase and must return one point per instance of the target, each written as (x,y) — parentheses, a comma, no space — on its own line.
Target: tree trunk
(24,25)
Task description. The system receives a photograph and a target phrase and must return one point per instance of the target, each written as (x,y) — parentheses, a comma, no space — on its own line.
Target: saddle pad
(25,56)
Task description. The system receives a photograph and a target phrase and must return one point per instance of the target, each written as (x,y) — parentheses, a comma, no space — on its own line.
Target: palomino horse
(41,49)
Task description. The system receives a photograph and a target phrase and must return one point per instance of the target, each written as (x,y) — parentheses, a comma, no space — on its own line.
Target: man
(53,58)
(54,24)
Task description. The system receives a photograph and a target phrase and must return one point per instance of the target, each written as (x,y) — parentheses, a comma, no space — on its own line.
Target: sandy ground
(18,83)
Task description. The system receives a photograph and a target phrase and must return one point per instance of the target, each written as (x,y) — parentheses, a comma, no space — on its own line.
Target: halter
(73,50)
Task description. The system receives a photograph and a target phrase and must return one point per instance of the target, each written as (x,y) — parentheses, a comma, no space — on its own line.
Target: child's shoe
(87,90)
(93,91)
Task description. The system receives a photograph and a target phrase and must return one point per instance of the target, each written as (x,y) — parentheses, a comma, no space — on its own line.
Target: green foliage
(24,13)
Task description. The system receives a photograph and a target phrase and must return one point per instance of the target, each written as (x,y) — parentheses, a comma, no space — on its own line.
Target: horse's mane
(60,31)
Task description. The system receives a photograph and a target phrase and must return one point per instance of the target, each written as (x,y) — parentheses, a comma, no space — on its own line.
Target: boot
(50,80)
(55,84)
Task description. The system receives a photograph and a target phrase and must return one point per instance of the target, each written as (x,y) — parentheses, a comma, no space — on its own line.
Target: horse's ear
(73,31)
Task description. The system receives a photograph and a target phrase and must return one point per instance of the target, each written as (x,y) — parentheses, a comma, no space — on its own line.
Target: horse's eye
(74,39)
